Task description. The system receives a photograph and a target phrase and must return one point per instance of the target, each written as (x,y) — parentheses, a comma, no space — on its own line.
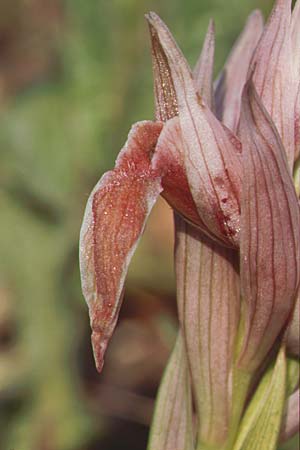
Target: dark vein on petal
(281,166)
(251,281)
(171,417)
(269,58)
(210,307)
(271,256)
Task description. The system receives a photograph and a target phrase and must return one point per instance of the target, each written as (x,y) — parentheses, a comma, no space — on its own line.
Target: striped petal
(270,224)
(208,304)
(273,75)
(169,157)
(230,83)
(211,153)
(168,160)
(204,69)
(113,223)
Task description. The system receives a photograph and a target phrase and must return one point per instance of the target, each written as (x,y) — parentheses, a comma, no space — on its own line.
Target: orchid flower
(223,156)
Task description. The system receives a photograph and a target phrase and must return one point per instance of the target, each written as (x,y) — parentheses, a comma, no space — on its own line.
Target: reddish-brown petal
(230,83)
(203,72)
(211,154)
(113,223)
(164,91)
(270,224)
(208,302)
(273,76)
(168,160)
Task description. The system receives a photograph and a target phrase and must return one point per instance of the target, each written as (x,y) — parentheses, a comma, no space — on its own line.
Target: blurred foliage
(74,75)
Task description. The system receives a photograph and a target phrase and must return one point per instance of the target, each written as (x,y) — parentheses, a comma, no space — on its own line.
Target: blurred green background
(74,76)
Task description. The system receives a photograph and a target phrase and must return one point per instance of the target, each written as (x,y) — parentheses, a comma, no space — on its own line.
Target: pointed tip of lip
(99,344)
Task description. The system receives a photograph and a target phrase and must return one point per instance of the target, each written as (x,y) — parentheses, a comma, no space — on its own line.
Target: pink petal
(270,223)
(113,223)
(273,75)
(203,72)
(230,84)
(295,36)
(211,158)
(209,306)
(168,160)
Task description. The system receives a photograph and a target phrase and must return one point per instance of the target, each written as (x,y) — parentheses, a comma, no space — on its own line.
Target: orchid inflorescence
(225,156)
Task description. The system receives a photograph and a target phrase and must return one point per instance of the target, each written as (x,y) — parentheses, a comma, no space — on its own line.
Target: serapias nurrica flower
(223,160)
